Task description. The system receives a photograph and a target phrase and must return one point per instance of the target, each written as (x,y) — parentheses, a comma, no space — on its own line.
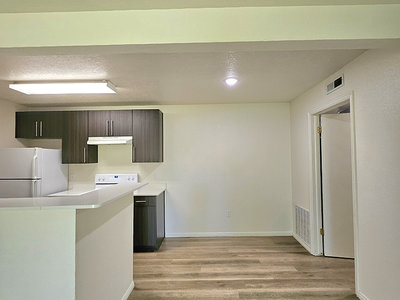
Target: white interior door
(337,197)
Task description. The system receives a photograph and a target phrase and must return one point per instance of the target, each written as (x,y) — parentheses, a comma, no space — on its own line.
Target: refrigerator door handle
(34,165)
(34,190)
(36,129)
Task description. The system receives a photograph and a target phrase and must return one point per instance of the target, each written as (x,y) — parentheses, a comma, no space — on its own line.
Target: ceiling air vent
(334,85)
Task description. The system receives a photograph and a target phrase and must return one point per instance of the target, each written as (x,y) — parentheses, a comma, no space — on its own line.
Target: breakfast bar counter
(71,247)
(93,198)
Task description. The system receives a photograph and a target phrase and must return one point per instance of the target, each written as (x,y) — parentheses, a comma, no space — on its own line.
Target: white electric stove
(101,181)
(104,180)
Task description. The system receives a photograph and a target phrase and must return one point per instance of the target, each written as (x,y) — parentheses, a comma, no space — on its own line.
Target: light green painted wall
(248,24)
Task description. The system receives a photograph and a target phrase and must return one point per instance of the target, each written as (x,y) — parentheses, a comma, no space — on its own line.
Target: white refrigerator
(31,172)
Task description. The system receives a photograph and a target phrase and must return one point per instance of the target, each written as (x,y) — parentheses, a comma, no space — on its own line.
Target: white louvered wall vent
(303,224)
(334,85)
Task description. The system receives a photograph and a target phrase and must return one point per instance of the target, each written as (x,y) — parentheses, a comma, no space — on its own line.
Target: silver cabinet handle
(140,201)
(107,127)
(84,154)
(36,129)
(112,128)
(41,129)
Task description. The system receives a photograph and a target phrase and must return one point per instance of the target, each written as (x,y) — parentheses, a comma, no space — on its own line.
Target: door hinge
(319,129)
(321,231)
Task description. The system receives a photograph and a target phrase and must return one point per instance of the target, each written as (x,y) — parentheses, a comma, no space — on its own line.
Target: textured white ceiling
(26,6)
(175,78)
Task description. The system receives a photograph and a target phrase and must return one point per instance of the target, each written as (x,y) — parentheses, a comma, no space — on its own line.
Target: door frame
(315,177)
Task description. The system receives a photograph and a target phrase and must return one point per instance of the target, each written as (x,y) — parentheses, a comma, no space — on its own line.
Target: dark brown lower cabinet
(75,149)
(149,222)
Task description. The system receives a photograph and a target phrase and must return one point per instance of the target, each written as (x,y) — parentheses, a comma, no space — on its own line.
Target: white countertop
(152,189)
(88,199)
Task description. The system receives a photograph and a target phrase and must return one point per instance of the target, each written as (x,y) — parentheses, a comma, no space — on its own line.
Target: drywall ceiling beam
(205,25)
(35,6)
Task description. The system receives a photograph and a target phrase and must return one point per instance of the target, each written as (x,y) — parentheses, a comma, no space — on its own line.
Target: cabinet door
(160,218)
(147,136)
(74,144)
(121,122)
(99,123)
(26,125)
(41,125)
(51,124)
(145,237)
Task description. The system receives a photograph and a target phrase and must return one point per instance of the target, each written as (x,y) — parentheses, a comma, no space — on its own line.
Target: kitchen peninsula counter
(90,199)
(72,247)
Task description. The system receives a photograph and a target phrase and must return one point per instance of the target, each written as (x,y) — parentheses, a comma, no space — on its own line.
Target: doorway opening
(334,132)
(334,230)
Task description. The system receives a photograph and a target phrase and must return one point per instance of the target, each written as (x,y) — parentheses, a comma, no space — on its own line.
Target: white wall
(37,254)
(104,247)
(218,158)
(7,124)
(375,79)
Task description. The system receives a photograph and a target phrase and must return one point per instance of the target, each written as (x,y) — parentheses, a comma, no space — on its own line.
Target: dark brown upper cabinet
(147,136)
(75,149)
(39,125)
(74,127)
(110,123)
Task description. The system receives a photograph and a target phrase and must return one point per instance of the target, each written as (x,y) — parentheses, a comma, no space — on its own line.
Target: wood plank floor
(240,268)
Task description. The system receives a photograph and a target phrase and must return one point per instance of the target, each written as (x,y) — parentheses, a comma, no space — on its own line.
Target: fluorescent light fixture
(231,81)
(52,88)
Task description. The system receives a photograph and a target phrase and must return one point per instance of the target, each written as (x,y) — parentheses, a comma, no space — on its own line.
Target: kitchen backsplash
(113,159)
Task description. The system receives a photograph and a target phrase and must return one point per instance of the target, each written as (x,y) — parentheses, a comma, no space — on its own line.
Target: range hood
(110,140)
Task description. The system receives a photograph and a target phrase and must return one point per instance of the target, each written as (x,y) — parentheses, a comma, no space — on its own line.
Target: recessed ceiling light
(51,88)
(231,81)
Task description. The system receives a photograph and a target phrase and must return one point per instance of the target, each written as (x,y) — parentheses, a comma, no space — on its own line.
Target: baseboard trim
(128,291)
(216,234)
(361,296)
(307,247)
